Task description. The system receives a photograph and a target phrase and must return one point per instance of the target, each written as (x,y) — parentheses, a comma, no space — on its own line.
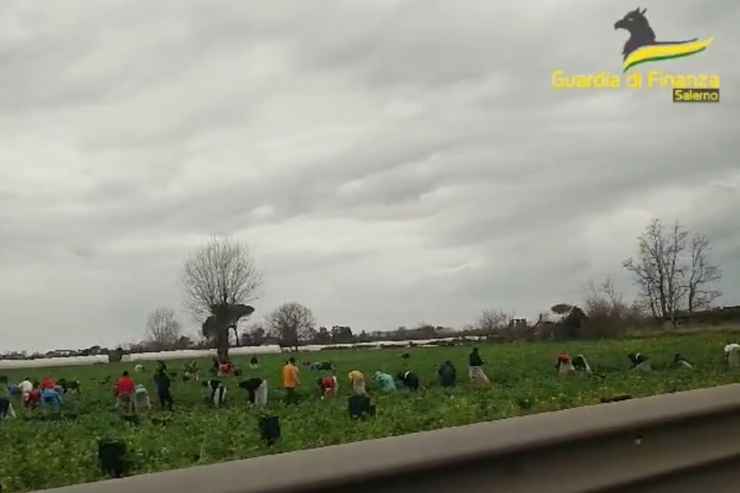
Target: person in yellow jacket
(357,379)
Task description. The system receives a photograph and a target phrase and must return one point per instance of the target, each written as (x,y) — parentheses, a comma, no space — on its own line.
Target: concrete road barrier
(677,442)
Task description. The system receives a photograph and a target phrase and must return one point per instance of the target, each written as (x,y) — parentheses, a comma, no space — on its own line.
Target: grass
(50,453)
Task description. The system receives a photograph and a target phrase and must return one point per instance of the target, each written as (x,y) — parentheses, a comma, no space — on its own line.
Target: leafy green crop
(57,452)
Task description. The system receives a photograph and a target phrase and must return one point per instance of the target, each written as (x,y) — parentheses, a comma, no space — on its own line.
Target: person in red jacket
(124,392)
(328,386)
(48,383)
(34,397)
(225,369)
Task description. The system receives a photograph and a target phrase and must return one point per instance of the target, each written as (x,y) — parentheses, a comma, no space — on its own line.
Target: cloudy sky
(388,161)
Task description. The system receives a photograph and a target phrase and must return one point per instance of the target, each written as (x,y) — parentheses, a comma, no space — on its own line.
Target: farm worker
(162,384)
(291,380)
(564,364)
(385,382)
(732,351)
(409,379)
(357,379)
(639,362)
(25,387)
(13,390)
(329,386)
(50,397)
(141,398)
(216,392)
(360,406)
(681,362)
(35,397)
(124,392)
(580,363)
(6,407)
(48,383)
(475,369)
(254,363)
(447,374)
(260,396)
(225,369)
(256,388)
(191,371)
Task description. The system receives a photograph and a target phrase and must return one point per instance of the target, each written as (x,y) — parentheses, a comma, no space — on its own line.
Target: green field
(41,454)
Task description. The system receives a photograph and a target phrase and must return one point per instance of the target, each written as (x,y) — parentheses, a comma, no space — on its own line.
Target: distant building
(544,329)
(61,353)
(518,323)
(446,332)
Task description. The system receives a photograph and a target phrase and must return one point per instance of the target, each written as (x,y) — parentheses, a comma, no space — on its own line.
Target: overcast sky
(389,162)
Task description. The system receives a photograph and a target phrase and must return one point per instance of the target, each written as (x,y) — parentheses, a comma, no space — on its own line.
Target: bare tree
(162,328)
(219,279)
(677,242)
(604,300)
(609,289)
(292,323)
(701,275)
(491,321)
(658,270)
(608,314)
(253,335)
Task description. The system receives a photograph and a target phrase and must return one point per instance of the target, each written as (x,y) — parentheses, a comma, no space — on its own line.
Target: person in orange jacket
(291,380)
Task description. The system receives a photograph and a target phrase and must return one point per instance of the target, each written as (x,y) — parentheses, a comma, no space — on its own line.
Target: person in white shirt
(25,388)
(732,351)
(141,399)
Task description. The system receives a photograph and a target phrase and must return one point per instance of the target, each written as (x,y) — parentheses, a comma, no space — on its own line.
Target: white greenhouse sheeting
(380,344)
(199,353)
(209,353)
(11,364)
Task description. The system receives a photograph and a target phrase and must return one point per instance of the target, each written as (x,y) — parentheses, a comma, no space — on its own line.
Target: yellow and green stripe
(652,53)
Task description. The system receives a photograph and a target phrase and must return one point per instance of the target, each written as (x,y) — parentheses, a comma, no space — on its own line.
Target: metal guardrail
(676,442)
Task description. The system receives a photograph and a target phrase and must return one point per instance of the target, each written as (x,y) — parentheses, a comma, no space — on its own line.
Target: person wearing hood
(475,368)
(385,382)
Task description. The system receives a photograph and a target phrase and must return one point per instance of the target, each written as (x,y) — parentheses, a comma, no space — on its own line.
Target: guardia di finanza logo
(641,47)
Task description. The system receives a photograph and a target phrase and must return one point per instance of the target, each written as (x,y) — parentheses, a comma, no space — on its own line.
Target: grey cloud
(390,162)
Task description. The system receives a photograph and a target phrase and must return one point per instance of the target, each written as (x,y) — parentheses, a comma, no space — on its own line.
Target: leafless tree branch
(292,323)
(162,328)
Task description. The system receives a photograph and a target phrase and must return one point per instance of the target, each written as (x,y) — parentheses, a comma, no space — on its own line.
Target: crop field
(41,453)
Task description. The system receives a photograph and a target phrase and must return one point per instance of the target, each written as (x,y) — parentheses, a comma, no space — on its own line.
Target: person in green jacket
(385,382)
